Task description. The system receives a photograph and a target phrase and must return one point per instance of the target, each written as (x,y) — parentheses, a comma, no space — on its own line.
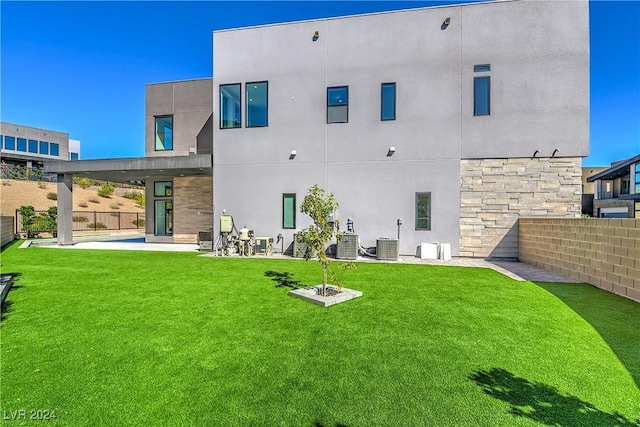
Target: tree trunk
(324,280)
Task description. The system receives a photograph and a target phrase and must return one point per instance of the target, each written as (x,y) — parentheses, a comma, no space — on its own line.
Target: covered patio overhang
(128,170)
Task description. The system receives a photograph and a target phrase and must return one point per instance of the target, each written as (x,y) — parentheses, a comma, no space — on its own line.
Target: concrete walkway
(135,242)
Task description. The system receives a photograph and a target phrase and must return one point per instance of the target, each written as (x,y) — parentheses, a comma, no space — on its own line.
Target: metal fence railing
(42,221)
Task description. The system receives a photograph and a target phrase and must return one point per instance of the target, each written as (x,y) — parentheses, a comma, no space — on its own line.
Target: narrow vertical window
(388,96)
(637,171)
(481,95)
(423,211)
(22,144)
(257,97)
(33,146)
(230,106)
(74,156)
(338,104)
(44,147)
(9,143)
(1,142)
(289,210)
(163,208)
(637,205)
(54,149)
(164,133)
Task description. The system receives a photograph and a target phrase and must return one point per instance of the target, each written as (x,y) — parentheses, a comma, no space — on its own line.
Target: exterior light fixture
(292,155)
(316,36)
(445,23)
(391,151)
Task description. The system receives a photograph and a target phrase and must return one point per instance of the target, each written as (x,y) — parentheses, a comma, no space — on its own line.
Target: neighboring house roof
(616,171)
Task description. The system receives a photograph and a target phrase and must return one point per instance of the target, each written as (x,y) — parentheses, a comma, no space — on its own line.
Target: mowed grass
(150,338)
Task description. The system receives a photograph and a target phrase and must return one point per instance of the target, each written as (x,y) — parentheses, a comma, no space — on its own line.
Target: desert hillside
(14,194)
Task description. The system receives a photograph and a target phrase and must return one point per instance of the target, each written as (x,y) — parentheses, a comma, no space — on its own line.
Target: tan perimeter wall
(7,229)
(602,252)
(494,193)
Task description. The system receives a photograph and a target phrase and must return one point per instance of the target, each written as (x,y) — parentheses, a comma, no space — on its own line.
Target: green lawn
(149,338)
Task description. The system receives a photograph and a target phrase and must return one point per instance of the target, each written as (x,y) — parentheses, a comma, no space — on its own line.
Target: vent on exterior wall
(387,249)
(347,247)
(192,150)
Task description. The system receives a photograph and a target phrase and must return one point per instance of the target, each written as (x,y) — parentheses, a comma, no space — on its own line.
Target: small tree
(320,207)
(48,221)
(28,219)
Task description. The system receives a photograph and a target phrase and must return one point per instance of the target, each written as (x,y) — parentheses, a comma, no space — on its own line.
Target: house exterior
(617,190)
(27,148)
(441,124)
(457,120)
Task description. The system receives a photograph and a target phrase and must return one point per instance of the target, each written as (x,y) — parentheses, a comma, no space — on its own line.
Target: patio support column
(65,209)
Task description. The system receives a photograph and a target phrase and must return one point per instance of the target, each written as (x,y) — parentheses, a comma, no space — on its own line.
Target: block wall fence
(7,229)
(602,252)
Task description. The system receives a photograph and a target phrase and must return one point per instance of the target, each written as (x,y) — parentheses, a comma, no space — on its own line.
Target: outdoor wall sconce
(391,151)
(316,36)
(445,23)
(554,152)
(535,153)
(292,155)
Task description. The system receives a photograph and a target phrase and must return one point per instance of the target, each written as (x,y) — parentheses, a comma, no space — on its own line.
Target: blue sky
(82,67)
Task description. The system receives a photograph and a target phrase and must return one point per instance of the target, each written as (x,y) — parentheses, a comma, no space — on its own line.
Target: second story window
(9,143)
(388,103)
(338,104)
(44,147)
(257,95)
(230,106)
(482,91)
(54,149)
(22,144)
(33,146)
(164,133)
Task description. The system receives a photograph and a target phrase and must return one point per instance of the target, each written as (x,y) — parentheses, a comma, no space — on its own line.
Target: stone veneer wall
(494,193)
(7,230)
(602,252)
(192,207)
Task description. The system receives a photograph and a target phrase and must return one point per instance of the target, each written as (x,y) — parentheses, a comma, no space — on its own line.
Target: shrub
(84,182)
(96,225)
(137,196)
(43,185)
(94,199)
(106,191)
(83,204)
(115,205)
(27,217)
(80,218)
(52,196)
(138,222)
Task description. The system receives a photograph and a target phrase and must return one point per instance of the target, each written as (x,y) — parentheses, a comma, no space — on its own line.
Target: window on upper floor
(257,100)
(22,144)
(338,104)
(54,149)
(164,133)
(74,156)
(44,147)
(482,91)
(289,210)
(1,142)
(9,143)
(230,106)
(423,211)
(33,146)
(637,171)
(388,101)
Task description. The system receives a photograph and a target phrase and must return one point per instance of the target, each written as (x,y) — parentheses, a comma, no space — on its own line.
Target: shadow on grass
(7,306)
(615,318)
(284,279)
(319,424)
(543,403)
